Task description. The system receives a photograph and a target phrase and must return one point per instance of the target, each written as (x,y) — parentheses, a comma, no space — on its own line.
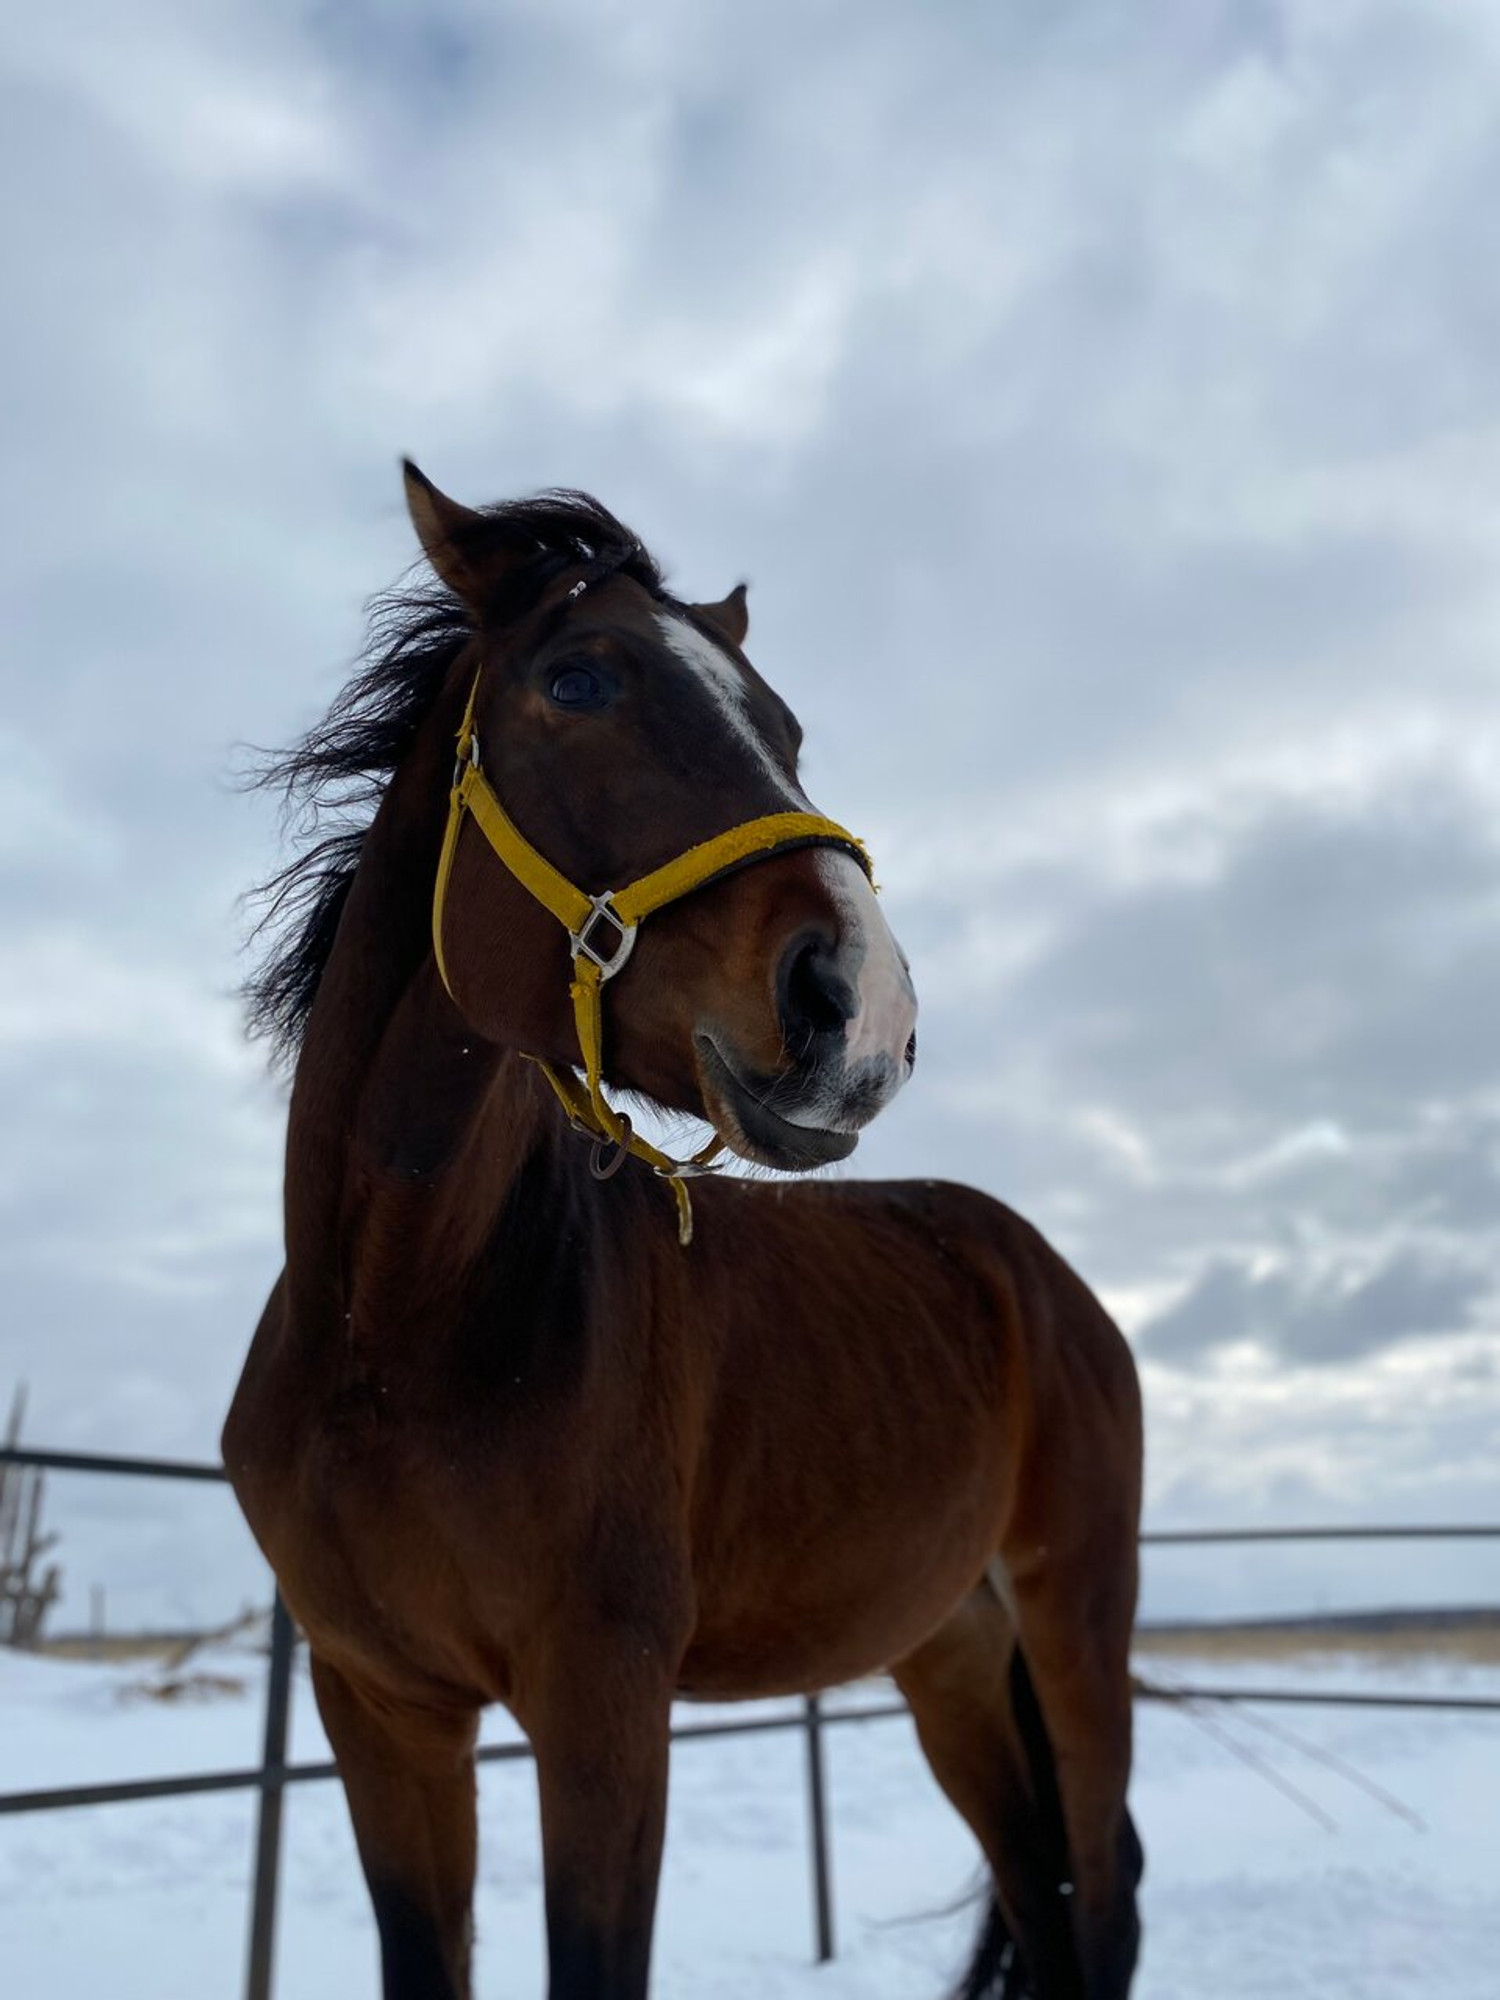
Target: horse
(538,1414)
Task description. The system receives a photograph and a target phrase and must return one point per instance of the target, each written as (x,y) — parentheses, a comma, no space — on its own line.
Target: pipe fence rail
(273,1774)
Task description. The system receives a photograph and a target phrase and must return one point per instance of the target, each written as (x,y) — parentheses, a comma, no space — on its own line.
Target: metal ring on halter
(601,1165)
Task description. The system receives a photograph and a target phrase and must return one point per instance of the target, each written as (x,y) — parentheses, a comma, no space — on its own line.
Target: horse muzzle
(806,1117)
(846,1015)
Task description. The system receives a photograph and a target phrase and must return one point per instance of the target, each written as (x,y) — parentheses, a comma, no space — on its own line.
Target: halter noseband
(601,936)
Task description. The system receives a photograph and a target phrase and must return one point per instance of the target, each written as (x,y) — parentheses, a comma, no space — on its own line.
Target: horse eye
(576,687)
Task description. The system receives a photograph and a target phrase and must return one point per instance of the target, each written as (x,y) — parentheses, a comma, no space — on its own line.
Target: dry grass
(122,1646)
(1471,1641)
(181,1688)
(172,1649)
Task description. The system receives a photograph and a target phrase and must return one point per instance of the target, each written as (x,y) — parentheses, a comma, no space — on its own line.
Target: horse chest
(425,1544)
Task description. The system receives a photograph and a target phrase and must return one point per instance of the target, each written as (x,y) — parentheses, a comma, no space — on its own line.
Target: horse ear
(731,615)
(452,536)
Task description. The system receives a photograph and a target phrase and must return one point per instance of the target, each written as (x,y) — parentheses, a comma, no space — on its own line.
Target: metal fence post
(817,1810)
(268,1827)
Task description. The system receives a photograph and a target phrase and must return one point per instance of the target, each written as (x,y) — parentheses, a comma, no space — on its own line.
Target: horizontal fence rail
(1467,1531)
(206,1471)
(247,1777)
(1458,1704)
(274,1773)
(126,1468)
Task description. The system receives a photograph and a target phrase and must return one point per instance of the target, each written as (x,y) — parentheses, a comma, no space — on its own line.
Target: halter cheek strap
(601,936)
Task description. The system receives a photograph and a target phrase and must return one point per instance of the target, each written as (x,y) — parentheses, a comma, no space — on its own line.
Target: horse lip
(755,1130)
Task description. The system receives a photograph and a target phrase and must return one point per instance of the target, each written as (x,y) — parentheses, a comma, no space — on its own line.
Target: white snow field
(1245,1894)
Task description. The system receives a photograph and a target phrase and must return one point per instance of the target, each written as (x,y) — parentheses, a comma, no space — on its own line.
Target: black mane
(333,778)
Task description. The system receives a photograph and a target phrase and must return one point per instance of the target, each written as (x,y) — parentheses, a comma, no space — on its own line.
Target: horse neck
(409,1136)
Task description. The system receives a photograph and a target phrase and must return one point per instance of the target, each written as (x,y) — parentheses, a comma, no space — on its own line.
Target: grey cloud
(1338,958)
(1323,1321)
(1284,1059)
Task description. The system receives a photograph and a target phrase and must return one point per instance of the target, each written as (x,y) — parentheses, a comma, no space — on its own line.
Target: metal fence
(273,1774)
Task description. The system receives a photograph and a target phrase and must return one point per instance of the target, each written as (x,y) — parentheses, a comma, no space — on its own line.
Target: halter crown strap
(602,930)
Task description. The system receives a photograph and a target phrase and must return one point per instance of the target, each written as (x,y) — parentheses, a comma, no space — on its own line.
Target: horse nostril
(911,1051)
(816,999)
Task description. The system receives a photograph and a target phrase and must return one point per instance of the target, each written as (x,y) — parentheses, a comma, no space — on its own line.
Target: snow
(1245,1894)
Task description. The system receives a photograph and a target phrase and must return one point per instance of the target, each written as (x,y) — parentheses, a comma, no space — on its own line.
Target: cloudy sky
(1104,403)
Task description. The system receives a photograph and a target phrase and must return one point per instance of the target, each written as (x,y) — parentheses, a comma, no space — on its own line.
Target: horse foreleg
(409,1778)
(599,1724)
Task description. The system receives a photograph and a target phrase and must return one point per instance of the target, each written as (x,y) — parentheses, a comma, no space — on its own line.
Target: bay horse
(553,1425)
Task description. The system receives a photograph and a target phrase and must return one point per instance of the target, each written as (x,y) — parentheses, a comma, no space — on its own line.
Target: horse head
(618,743)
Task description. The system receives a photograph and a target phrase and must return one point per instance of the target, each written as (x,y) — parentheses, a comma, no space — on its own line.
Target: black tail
(1047,1968)
(995,1972)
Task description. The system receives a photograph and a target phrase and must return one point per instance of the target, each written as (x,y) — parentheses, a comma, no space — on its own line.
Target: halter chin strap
(601,936)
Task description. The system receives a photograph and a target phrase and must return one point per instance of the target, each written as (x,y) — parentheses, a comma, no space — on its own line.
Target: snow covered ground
(1246,1897)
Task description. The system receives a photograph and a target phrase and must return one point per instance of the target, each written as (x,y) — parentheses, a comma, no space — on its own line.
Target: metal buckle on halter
(611,962)
(685,1170)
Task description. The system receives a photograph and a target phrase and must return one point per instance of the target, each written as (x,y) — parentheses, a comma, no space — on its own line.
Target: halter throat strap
(602,932)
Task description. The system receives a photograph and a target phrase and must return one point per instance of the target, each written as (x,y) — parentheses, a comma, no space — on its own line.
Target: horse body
(504,1439)
(807,1556)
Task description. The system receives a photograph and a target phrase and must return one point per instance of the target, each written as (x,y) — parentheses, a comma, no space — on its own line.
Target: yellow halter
(618,915)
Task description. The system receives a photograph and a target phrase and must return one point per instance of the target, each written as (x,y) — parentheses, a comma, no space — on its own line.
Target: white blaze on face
(724,682)
(878,1035)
